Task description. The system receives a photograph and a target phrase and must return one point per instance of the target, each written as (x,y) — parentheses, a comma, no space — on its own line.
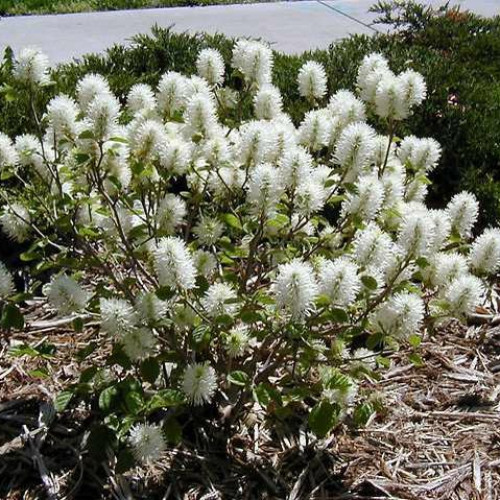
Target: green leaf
(62,400)
(165,293)
(416,360)
(369,282)
(362,414)
(118,139)
(422,262)
(77,324)
(201,334)
(86,351)
(238,377)
(39,373)
(264,394)
(12,317)
(86,134)
(22,349)
(29,256)
(232,221)
(101,438)
(150,370)
(124,461)
(415,340)
(323,418)
(107,398)
(166,398)
(133,401)
(338,315)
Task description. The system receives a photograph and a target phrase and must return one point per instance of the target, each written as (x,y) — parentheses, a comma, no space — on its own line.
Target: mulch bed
(439,438)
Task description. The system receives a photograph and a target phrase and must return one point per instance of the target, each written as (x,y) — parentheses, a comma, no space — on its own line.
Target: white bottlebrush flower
(355,148)
(388,103)
(199,383)
(372,68)
(295,165)
(267,102)
(347,107)
(254,143)
(463,295)
(171,213)
(217,151)
(141,99)
(447,267)
(208,230)
(313,131)
(147,441)
(364,357)
(380,152)
(368,200)
(146,138)
(416,234)
(339,280)
(197,85)
(371,247)
(102,116)
(412,90)
(205,263)
(66,295)
(415,191)
(15,222)
(310,196)
(219,300)
(7,287)
(264,188)
(237,341)
(150,308)
(117,316)
(312,80)
(138,343)
(210,65)
(89,87)
(62,114)
(254,60)
(31,66)
(393,186)
(463,210)
(200,116)
(485,252)
(441,228)
(8,153)
(173,263)
(172,93)
(295,288)
(175,156)
(29,152)
(400,316)
(419,154)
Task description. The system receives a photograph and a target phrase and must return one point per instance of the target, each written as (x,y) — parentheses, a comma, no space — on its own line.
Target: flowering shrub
(235,264)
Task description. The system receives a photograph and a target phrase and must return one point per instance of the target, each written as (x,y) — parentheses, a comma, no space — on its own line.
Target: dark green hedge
(458,53)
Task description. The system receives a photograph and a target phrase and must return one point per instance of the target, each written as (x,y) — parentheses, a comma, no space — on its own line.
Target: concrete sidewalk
(289,26)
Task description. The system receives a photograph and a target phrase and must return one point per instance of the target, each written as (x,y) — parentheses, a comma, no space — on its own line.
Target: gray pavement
(289,26)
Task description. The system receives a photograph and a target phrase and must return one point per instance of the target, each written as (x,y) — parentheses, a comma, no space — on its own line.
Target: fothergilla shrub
(235,264)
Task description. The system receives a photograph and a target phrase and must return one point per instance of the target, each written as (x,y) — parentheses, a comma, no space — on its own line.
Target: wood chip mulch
(439,437)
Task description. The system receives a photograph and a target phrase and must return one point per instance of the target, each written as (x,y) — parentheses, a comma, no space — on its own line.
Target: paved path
(290,26)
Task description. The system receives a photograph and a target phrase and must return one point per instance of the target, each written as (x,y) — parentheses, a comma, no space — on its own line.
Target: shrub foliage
(233,260)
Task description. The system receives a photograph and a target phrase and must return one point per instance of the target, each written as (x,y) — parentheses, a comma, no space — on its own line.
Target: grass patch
(23,7)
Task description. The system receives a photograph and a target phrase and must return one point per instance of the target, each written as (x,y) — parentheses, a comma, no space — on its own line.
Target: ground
(438,437)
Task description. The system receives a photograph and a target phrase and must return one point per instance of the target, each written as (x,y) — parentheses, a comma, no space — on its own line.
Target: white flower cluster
(213,238)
